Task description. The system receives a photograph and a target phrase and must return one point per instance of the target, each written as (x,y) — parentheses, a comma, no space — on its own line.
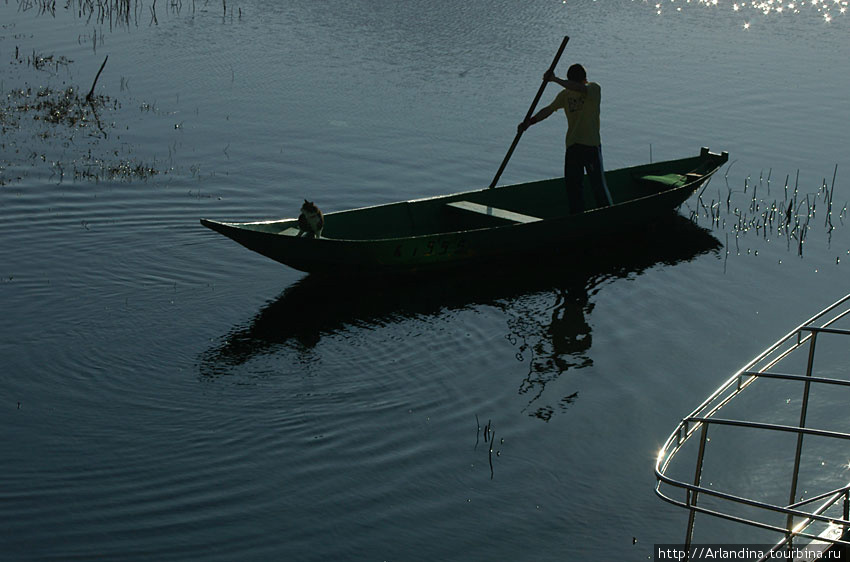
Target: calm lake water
(166,394)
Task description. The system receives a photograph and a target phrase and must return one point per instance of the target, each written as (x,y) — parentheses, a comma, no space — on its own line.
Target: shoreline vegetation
(39,120)
(788,214)
(118,13)
(60,127)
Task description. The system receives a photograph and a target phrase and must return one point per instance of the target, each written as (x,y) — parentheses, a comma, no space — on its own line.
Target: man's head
(576,73)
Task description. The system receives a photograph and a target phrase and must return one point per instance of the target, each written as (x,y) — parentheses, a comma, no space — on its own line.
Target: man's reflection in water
(553,341)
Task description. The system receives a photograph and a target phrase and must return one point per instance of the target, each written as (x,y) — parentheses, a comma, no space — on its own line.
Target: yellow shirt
(582,110)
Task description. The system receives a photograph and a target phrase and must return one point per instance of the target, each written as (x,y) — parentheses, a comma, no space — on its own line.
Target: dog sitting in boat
(310,221)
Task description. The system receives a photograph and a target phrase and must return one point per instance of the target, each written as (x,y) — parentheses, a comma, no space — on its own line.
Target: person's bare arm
(536,118)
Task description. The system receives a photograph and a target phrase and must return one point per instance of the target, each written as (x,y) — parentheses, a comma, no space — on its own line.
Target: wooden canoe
(474,226)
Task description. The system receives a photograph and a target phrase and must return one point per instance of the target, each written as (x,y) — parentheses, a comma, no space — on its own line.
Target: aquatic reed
(789,218)
(113,13)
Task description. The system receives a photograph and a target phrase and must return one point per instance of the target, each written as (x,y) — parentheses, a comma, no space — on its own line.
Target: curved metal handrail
(703,416)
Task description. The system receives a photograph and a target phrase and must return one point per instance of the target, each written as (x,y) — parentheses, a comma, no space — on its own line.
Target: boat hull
(431,234)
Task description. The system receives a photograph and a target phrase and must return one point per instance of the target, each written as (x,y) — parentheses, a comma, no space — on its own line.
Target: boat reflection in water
(546,300)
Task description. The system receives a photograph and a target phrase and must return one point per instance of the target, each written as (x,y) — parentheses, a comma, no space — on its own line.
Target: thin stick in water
(91,92)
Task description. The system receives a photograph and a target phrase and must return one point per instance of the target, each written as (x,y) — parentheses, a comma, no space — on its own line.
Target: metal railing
(805,512)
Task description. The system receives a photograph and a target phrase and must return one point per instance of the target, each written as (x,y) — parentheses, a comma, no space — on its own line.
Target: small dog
(311,220)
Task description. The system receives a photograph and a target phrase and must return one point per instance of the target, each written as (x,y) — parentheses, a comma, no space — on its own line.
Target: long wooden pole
(530,111)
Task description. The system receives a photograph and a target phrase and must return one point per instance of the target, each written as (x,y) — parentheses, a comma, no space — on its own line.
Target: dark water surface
(167,395)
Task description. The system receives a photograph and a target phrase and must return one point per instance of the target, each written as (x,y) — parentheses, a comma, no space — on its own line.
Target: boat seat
(495,212)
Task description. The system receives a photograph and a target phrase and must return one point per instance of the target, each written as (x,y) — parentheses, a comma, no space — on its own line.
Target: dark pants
(578,159)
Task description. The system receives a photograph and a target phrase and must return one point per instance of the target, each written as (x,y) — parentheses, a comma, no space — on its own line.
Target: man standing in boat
(580,101)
